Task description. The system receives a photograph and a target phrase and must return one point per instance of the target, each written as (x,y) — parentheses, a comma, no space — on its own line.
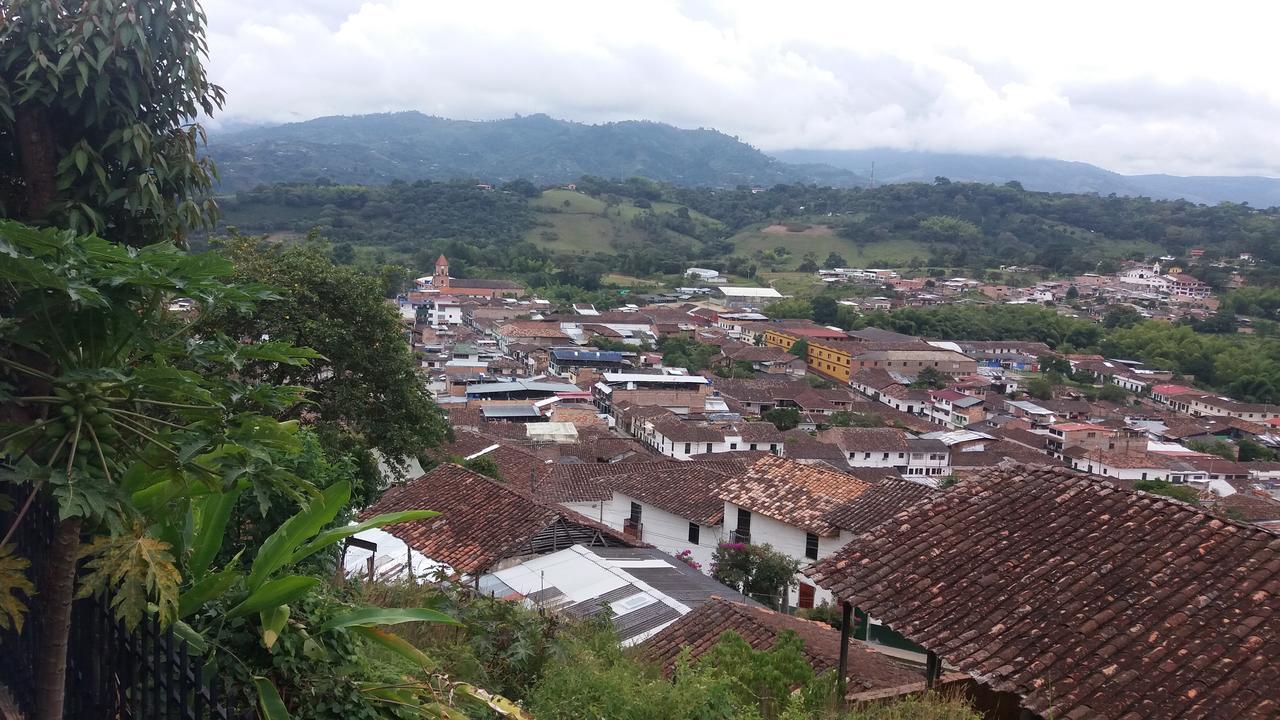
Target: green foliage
(130,569)
(844,418)
(97,101)
(930,379)
(1111,392)
(738,369)
(680,352)
(1040,388)
(484,465)
(1221,448)
(800,349)
(782,418)
(1185,493)
(755,570)
(798,308)
(1250,451)
(1121,316)
(366,392)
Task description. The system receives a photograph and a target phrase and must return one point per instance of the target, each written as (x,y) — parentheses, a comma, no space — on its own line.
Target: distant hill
(373,149)
(895,166)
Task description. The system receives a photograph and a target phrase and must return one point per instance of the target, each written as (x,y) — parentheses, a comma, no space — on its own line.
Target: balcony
(740,536)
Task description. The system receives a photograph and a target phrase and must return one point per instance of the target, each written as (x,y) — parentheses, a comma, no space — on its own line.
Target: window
(811,546)
(753,446)
(734,446)
(708,447)
(865,456)
(688,448)
(886,456)
(694,532)
(635,512)
(743,531)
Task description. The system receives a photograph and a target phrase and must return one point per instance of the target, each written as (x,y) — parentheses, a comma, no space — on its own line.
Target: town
(801,437)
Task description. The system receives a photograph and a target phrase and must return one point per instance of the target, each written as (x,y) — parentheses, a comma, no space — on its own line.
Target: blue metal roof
(588,355)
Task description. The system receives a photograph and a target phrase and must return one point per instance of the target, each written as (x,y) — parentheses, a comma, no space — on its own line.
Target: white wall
(877,459)
(666,531)
(786,539)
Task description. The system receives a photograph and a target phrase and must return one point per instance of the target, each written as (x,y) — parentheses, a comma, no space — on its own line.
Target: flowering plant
(686,557)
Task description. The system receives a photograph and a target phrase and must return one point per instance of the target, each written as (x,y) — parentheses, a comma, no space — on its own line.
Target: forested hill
(643,228)
(899,166)
(373,149)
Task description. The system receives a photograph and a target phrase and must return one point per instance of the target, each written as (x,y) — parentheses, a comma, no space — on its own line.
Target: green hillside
(644,229)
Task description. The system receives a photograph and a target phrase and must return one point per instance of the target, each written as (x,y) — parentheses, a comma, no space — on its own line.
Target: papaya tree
(115,413)
(97,106)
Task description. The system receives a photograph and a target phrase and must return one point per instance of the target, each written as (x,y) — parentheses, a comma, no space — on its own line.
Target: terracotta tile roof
(531,329)
(482,520)
(999,451)
(855,439)
(802,446)
(795,493)
(700,631)
(690,490)
(881,502)
(1085,599)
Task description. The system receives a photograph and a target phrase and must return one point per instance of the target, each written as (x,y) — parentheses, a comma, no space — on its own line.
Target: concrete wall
(786,539)
(666,531)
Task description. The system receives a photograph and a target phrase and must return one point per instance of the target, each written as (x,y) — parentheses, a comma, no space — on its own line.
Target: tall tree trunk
(39,156)
(57,589)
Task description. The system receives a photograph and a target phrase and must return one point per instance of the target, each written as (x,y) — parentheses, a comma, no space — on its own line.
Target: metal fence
(149,674)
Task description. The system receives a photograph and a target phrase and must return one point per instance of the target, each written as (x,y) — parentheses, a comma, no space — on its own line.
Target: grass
(582,233)
(890,253)
(791,283)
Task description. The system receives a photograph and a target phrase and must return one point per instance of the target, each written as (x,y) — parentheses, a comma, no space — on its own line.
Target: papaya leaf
(131,568)
(207,588)
(273,622)
(13,580)
(213,513)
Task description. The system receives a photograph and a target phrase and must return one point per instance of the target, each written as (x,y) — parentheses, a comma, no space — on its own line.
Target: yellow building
(831,359)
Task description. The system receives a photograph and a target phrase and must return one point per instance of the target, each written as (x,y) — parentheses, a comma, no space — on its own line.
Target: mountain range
(375,149)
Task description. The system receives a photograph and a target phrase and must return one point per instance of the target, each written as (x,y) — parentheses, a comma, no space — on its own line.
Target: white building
(737,296)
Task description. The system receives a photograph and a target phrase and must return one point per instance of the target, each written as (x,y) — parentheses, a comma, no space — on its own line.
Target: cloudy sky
(1131,86)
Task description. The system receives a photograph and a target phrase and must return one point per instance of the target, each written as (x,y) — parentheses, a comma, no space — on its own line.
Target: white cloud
(1132,86)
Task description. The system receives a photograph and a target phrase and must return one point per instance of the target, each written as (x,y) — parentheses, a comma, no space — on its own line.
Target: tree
(1185,493)
(758,571)
(1073,293)
(1054,363)
(366,392)
(782,418)
(795,308)
(1221,448)
(844,418)
(1111,392)
(1040,388)
(800,349)
(97,117)
(343,254)
(1251,451)
(834,260)
(930,379)
(109,393)
(825,310)
(1121,316)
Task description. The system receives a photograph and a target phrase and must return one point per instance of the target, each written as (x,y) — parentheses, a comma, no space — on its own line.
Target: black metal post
(846,625)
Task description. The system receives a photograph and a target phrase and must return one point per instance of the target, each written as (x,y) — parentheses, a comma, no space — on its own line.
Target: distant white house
(738,296)
(702,273)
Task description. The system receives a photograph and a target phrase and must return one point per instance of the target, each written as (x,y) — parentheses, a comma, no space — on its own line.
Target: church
(440,282)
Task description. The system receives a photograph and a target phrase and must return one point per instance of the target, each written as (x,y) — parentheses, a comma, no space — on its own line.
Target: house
(675,507)
(1134,465)
(954,409)
(1089,436)
(1070,597)
(736,297)
(868,672)
(567,361)
(484,524)
(520,389)
(886,447)
(537,333)
(677,392)
(784,503)
(681,439)
(640,590)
